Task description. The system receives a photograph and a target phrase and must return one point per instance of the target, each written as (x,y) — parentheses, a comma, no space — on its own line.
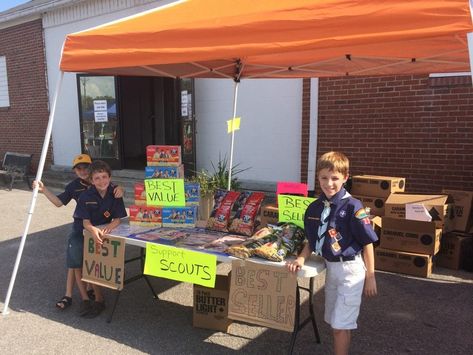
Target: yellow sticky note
(233,124)
(180,264)
(292,208)
(165,192)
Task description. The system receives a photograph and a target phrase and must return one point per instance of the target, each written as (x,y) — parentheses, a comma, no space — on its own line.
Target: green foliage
(218,178)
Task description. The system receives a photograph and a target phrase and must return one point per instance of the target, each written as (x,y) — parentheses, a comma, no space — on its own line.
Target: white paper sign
(101,116)
(417,212)
(184,97)
(184,110)
(100,105)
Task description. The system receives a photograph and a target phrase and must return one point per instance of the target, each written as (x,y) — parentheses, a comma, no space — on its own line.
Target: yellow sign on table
(165,192)
(233,124)
(180,264)
(292,208)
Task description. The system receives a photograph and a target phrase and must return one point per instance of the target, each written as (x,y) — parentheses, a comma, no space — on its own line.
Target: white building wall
(270,136)
(269,139)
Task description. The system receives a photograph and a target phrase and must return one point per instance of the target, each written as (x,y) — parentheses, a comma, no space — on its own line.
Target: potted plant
(211,181)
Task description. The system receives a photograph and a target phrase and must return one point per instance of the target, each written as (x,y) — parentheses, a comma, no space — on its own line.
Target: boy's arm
(112,225)
(96,232)
(118,191)
(49,195)
(297,264)
(370,280)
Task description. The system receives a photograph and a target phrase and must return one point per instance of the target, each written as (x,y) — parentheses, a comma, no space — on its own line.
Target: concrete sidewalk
(409,316)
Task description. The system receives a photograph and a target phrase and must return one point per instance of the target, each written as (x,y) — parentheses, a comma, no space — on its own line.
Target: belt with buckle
(344,258)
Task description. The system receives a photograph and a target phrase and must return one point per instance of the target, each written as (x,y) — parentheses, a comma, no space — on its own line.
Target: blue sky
(8,4)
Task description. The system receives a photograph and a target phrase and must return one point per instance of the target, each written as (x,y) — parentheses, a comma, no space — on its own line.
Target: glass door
(99,118)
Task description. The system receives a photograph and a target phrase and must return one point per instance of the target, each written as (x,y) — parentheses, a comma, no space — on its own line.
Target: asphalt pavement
(409,316)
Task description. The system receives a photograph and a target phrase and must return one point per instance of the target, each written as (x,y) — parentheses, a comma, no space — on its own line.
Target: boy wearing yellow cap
(73,190)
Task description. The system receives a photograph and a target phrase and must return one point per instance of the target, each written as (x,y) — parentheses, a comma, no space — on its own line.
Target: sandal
(91,294)
(64,303)
(97,308)
(85,307)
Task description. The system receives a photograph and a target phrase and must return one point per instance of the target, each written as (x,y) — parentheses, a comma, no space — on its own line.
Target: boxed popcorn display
(145,216)
(162,155)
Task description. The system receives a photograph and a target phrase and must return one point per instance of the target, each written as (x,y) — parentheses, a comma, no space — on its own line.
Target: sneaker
(85,307)
(97,308)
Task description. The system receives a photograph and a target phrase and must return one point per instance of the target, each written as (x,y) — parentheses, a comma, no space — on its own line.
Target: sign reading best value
(104,264)
(165,192)
(180,264)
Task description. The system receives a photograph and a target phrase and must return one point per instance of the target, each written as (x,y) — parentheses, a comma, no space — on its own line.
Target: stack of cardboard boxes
(412,227)
(456,247)
(164,162)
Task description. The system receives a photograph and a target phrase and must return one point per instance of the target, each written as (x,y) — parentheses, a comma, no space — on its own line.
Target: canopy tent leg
(39,174)
(235,99)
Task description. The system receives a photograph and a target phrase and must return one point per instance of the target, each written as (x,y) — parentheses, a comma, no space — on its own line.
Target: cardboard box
(140,194)
(377,186)
(453,248)
(163,155)
(375,204)
(403,262)
(269,215)
(179,216)
(164,172)
(211,305)
(411,236)
(377,223)
(145,216)
(438,206)
(462,209)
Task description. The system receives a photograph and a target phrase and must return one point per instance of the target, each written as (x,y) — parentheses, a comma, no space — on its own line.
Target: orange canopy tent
(283,38)
(271,39)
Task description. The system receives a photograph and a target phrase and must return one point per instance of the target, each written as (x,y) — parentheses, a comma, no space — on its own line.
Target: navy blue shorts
(75,250)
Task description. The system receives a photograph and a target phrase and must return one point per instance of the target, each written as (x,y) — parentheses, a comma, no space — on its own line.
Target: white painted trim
(313,121)
(446,75)
(4,93)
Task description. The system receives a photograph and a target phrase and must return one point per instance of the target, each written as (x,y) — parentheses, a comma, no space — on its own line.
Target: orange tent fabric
(283,38)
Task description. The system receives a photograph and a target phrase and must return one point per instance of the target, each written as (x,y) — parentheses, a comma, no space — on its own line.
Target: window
(4,97)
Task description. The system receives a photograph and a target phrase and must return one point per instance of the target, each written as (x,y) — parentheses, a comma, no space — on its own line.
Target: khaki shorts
(344,283)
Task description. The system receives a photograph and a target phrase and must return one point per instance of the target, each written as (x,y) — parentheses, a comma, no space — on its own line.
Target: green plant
(218,177)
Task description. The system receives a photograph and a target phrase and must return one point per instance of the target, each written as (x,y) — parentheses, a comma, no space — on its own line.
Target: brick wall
(23,124)
(409,126)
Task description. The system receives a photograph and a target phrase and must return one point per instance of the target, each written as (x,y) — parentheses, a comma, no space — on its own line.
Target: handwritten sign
(165,192)
(104,264)
(292,208)
(262,294)
(180,264)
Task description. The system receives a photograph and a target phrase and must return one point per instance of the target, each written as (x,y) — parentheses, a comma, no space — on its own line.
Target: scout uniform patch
(106,214)
(335,237)
(363,216)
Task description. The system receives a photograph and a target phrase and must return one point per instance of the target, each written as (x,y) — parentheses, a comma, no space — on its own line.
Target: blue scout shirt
(73,190)
(348,230)
(98,210)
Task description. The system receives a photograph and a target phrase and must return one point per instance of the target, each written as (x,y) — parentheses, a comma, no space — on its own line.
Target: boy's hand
(295,265)
(118,192)
(370,288)
(97,234)
(39,184)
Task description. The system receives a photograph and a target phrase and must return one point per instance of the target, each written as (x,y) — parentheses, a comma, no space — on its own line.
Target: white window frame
(4,94)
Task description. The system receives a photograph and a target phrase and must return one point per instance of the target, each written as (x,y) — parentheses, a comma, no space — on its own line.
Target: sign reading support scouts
(180,264)
(262,294)
(292,208)
(104,264)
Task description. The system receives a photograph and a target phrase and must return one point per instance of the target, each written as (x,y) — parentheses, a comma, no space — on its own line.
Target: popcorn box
(140,194)
(192,193)
(145,216)
(179,216)
(164,172)
(169,155)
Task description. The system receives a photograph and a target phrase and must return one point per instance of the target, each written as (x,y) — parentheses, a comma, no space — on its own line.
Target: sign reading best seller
(165,192)
(262,294)
(292,208)
(104,264)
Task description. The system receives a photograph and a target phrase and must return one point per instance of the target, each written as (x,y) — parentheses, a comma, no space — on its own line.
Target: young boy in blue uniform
(73,190)
(339,229)
(97,207)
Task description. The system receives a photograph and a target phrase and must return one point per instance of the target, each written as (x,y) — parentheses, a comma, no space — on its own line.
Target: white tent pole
(235,99)
(39,174)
